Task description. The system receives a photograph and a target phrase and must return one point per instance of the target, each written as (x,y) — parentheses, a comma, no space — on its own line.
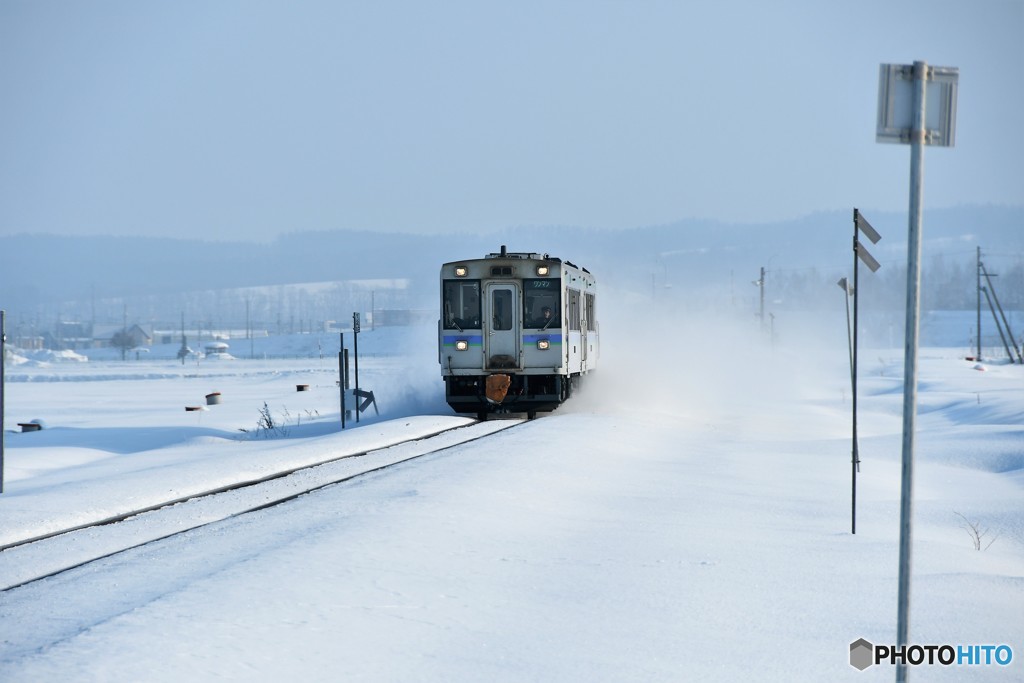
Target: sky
(248,120)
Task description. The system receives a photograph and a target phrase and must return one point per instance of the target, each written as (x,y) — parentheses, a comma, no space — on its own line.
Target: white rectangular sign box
(896,104)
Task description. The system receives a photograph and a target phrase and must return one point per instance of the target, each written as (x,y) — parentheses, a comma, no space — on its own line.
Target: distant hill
(49,275)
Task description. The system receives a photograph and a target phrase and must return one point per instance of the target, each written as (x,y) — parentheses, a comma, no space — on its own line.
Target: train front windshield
(462,304)
(542,303)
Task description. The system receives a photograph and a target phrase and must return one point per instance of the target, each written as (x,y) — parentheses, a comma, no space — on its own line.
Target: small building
(216,350)
(402,317)
(69,335)
(112,335)
(29,342)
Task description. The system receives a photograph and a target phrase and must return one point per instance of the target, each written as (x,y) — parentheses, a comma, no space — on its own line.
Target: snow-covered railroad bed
(31,559)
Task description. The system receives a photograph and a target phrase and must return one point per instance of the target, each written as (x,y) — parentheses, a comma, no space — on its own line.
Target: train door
(586,325)
(583,344)
(501,311)
(577,351)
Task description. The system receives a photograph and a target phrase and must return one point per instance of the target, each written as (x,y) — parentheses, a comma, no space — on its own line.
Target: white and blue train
(517,331)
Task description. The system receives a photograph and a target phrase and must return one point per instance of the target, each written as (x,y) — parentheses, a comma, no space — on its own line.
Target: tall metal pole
(761,282)
(248,328)
(977,357)
(181,351)
(124,339)
(917,141)
(855,455)
(860,224)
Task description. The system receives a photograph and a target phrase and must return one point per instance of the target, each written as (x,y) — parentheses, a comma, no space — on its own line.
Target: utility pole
(977,356)
(991,290)
(248,328)
(183,351)
(758,283)
(762,298)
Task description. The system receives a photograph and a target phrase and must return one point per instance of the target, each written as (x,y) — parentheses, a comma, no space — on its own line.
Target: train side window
(501,309)
(574,309)
(461,304)
(591,313)
(537,296)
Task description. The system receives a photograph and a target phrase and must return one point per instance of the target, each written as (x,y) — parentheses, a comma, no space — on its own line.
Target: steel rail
(279,499)
(280,474)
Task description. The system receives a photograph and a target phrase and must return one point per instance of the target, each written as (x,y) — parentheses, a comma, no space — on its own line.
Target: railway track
(29,560)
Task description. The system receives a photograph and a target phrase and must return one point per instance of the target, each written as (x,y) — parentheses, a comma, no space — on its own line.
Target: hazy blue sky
(247,119)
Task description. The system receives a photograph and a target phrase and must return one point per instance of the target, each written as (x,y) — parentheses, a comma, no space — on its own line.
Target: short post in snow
(355,350)
(342,374)
(362,398)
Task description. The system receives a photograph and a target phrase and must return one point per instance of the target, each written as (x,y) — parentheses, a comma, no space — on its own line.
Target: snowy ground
(686,518)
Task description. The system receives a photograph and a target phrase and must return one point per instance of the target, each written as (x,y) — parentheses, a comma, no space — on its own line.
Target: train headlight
(461,345)
(543,344)
(461,271)
(542,270)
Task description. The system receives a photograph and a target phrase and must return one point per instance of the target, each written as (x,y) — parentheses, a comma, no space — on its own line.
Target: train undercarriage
(508,393)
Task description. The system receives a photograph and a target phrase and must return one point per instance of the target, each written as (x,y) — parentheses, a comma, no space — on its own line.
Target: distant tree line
(276,309)
(946,284)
